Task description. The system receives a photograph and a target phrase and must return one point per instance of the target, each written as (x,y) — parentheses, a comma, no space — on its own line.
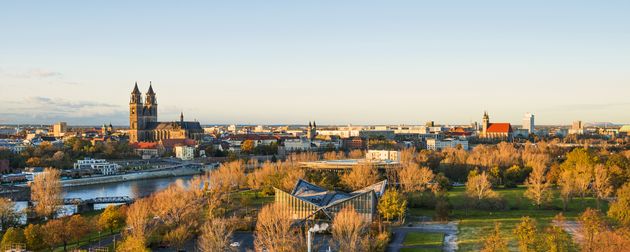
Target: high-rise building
(59,129)
(577,128)
(528,123)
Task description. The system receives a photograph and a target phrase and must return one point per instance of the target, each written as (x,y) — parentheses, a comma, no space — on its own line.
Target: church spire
(181,117)
(135,95)
(135,89)
(150,89)
(150,100)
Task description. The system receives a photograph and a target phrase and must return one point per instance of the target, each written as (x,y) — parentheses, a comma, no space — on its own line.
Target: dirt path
(573,228)
(449,229)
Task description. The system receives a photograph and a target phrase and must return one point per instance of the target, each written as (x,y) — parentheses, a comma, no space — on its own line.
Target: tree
(247,146)
(111,219)
(216,235)
(362,175)
(538,188)
(592,225)
(132,244)
(495,241)
(620,208)
(555,238)
(415,179)
(526,234)
(56,232)
(12,236)
(77,227)
(349,230)
(567,186)
(273,230)
(34,235)
(139,222)
(601,184)
(8,216)
(479,187)
(178,236)
(392,205)
(46,192)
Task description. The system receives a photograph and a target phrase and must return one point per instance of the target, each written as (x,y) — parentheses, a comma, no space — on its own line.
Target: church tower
(136,118)
(485,122)
(150,106)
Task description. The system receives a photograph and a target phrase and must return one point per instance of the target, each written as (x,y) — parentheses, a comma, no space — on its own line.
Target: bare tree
(273,230)
(350,230)
(538,188)
(8,216)
(216,235)
(140,221)
(414,178)
(362,175)
(479,187)
(601,183)
(46,191)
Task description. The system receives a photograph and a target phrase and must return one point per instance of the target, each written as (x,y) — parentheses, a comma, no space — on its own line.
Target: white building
(435,144)
(185,152)
(297,144)
(528,123)
(106,168)
(382,155)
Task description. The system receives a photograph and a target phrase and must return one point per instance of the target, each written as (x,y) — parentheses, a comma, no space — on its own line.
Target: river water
(134,189)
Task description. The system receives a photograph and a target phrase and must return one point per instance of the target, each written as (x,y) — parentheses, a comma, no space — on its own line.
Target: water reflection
(133,189)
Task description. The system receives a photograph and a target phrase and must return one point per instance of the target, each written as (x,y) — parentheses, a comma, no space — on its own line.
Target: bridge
(84,205)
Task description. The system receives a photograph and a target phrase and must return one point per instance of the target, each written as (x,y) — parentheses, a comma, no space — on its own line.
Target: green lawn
(423,239)
(476,224)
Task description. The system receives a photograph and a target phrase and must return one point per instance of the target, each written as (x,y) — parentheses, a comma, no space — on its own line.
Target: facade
(144,125)
(309,202)
(382,155)
(528,123)
(495,131)
(184,152)
(577,128)
(297,144)
(102,165)
(436,144)
(59,129)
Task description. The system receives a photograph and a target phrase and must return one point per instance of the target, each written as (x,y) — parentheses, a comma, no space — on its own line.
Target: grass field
(424,239)
(476,224)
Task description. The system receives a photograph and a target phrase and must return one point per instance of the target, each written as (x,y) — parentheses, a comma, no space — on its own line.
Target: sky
(335,62)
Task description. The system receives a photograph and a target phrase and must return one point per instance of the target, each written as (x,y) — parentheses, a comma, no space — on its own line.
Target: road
(449,229)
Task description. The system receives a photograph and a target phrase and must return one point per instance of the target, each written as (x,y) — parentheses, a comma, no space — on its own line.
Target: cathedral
(144,125)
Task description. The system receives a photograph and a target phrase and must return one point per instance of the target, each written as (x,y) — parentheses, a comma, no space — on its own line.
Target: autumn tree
(34,235)
(139,222)
(479,187)
(620,208)
(46,192)
(111,219)
(555,239)
(601,184)
(538,188)
(216,235)
(247,146)
(13,235)
(132,244)
(392,205)
(567,186)
(356,154)
(273,230)
(8,215)
(78,227)
(414,178)
(495,241)
(350,230)
(592,225)
(362,175)
(526,234)
(56,231)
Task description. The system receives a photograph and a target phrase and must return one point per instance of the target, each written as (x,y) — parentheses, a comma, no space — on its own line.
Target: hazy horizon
(288,62)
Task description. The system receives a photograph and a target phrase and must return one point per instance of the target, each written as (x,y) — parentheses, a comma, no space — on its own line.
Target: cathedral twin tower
(144,125)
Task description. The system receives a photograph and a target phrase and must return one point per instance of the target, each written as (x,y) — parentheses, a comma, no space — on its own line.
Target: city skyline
(336,63)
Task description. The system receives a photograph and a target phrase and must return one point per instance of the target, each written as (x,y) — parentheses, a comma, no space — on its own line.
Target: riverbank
(177,172)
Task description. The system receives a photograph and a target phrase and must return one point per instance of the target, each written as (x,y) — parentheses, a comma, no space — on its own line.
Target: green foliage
(392,205)
(620,208)
(423,239)
(526,234)
(13,235)
(34,237)
(579,157)
(111,219)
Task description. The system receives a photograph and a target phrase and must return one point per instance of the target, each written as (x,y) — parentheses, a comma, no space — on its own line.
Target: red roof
(144,145)
(500,128)
(170,143)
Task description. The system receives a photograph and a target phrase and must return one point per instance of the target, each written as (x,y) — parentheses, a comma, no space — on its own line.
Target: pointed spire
(135,89)
(181,117)
(314,124)
(150,89)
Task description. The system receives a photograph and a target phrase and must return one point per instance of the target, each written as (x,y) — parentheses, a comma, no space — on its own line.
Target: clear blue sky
(336,62)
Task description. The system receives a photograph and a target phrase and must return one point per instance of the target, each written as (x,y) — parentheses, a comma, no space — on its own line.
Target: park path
(573,228)
(449,229)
